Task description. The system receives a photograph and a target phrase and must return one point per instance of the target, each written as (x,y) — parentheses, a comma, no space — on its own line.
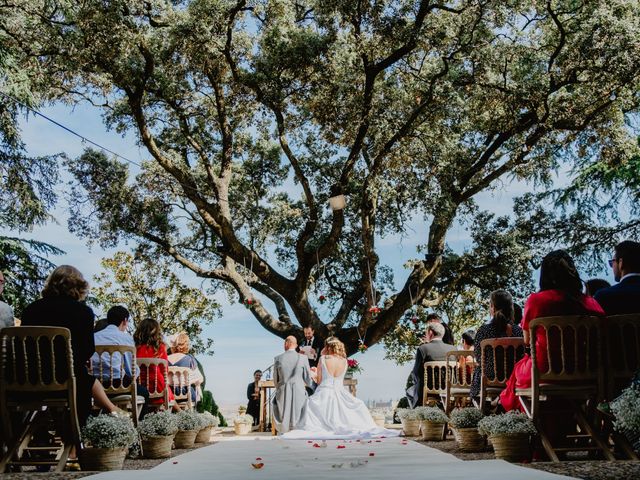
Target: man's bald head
(290,342)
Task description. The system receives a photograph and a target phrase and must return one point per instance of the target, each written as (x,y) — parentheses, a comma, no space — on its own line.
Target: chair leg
(546,443)
(64,456)
(623,444)
(593,435)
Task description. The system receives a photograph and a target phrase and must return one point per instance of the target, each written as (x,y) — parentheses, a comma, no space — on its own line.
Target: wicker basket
(102,459)
(411,428)
(185,438)
(204,435)
(470,440)
(431,431)
(242,428)
(512,448)
(157,446)
(379,421)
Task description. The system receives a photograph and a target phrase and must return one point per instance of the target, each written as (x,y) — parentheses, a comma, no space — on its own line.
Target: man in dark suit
(623,297)
(433,350)
(311,346)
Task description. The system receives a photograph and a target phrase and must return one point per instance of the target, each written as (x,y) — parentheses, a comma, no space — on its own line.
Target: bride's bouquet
(353,366)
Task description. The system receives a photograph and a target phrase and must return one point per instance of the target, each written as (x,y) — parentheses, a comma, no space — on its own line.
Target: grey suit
(427,352)
(291,374)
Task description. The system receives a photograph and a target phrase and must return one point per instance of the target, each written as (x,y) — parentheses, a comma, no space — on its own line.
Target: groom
(291,373)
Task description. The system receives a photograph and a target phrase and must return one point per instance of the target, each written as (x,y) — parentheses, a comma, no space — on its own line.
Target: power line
(69,130)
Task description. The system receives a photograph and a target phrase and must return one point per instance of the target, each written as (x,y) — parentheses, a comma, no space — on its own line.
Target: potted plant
(107,439)
(410,421)
(378,418)
(626,409)
(156,433)
(352,367)
(464,422)
(509,434)
(242,424)
(189,424)
(207,423)
(432,422)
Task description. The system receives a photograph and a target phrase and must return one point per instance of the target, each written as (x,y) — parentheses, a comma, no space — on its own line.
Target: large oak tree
(254,112)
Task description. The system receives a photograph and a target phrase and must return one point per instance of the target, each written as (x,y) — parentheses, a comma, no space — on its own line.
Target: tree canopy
(150,288)
(253,113)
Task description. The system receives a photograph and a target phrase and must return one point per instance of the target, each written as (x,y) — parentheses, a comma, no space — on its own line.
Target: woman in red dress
(560,294)
(149,344)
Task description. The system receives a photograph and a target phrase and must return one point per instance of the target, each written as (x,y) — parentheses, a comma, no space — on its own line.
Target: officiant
(311,346)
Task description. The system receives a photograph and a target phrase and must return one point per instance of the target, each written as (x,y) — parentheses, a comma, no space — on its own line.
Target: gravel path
(584,469)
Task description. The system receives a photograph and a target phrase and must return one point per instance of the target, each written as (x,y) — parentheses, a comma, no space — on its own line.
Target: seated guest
(253,395)
(6,312)
(180,357)
(468,338)
(149,344)
(465,364)
(591,287)
(448,334)
(115,333)
(501,311)
(100,325)
(434,349)
(560,294)
(62,305)
(623,297)
(517,314)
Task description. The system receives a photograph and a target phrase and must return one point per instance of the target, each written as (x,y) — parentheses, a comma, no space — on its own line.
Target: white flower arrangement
(431,414)
(109,431)
(407,414)
(244,418)
(188,420)
(207,419)
(511,423)
(160,424)
(626,408)
(465,417)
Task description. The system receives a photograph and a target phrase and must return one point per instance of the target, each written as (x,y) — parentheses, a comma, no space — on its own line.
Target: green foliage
(208,404)
(151,288)
(25,266)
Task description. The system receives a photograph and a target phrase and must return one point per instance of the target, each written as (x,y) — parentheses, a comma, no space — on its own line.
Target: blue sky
(241,344)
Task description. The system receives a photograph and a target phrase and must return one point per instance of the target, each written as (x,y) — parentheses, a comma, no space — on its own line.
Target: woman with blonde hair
(180,357)
(62,305)
(332,412)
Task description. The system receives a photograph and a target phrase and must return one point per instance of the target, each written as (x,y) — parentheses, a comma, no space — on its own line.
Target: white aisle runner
(297,459)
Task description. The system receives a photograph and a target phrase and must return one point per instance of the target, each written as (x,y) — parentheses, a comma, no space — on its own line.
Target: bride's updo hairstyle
(334,346)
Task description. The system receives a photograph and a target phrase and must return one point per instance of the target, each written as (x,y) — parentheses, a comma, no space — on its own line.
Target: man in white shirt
(6,312)
(115,333)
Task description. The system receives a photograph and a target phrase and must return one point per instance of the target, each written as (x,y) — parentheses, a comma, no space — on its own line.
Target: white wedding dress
(334,414)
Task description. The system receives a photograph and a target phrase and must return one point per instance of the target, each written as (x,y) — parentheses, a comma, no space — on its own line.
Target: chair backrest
(435,379)
(459,369)
(622,350)
(37,360)
(179,382)
(504,353)
(109,366)
(151,369)
(574,349)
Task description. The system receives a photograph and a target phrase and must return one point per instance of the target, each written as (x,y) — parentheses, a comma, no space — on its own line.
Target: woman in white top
(180,357)
(332,412)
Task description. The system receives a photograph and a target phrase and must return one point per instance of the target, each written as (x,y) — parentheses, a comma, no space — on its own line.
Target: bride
(332,412)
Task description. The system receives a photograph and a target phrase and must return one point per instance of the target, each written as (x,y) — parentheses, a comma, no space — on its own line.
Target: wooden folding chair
(119,384)
(622,351)
(459,376)
(179,382)
(575,375)
(160,367)
(37,383)
(504,353)
(435,381)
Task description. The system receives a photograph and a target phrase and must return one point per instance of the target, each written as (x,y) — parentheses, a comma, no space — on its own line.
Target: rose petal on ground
(257,466)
